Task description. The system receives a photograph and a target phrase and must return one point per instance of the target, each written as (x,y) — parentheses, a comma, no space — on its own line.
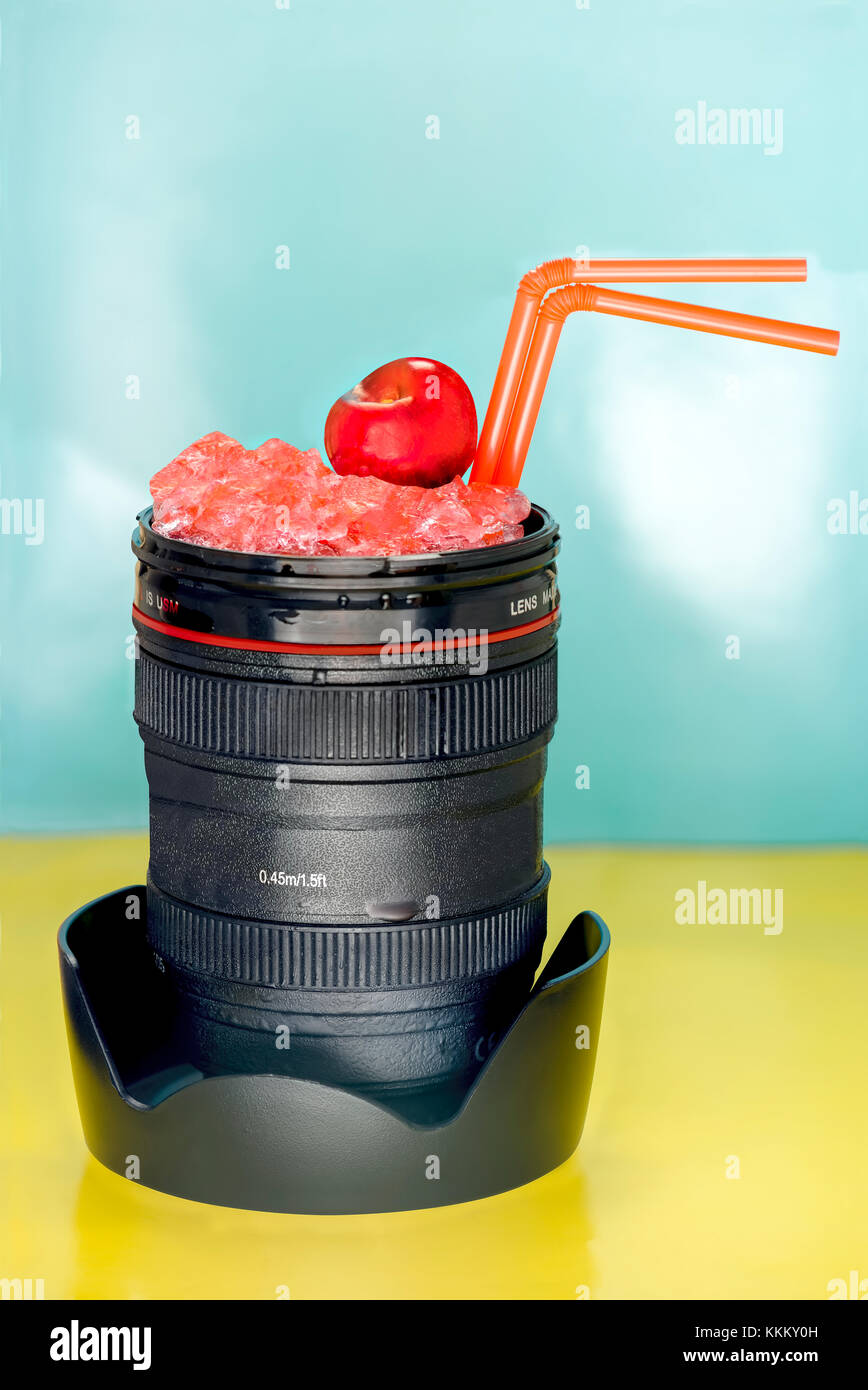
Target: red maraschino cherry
(411,421)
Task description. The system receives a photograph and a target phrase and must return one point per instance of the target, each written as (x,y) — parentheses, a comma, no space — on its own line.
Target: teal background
(707,464)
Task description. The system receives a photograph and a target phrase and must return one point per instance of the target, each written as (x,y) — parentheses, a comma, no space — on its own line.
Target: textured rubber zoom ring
(334,957)
(346,724)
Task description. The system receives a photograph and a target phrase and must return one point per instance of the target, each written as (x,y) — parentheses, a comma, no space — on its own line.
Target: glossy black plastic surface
(279,1143)
(344,600)
(347,844)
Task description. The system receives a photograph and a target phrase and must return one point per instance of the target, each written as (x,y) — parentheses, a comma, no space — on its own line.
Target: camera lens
(345,759)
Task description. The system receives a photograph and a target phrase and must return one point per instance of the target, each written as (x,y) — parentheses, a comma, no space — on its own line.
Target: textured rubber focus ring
(346,724)
(384,956)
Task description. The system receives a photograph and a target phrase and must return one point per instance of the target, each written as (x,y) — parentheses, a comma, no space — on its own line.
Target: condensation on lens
(345,760)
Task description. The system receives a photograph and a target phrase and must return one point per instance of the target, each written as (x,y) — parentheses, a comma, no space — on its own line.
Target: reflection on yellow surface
(724,1154)
(177,1249)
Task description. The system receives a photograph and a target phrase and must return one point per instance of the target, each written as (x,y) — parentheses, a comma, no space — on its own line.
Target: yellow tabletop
(723,1157)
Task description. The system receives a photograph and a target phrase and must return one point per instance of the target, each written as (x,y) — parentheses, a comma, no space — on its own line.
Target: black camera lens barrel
(314,603)
(345,759)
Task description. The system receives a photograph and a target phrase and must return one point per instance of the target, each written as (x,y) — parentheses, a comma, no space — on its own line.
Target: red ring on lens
(252,644)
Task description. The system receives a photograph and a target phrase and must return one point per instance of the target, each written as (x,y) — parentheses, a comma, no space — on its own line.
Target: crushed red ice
(280,500)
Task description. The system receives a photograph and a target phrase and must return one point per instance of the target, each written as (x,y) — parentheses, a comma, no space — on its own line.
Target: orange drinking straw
(549,276)
(526,313)
(636,306)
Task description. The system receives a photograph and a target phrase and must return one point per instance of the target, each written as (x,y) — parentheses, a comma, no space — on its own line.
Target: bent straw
(566,271)
(565,301)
